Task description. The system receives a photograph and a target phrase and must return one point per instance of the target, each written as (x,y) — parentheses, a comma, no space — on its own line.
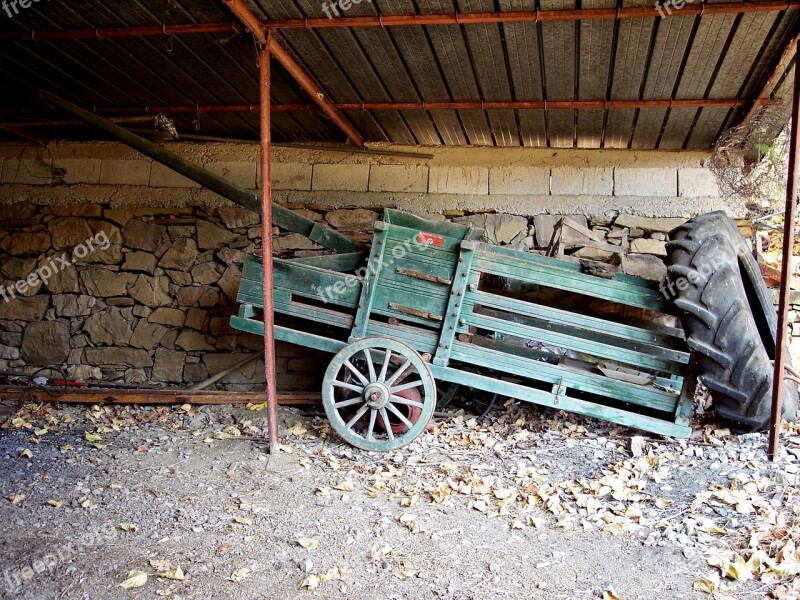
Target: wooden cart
(431,302)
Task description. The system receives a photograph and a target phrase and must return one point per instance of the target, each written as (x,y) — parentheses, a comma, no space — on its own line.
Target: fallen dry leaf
(239,574)
(136,579)
(308,543)
(345,486)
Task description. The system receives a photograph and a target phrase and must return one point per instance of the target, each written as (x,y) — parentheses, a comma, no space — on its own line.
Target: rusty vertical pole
(786,271)
(266,244)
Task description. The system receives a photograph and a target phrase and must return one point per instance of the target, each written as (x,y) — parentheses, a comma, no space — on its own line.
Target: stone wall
(153,305)
(146,300)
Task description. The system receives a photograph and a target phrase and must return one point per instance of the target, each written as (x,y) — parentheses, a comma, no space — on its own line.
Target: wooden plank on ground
(113,396)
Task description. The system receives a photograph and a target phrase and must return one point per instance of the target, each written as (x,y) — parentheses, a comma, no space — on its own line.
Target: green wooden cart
(431,302)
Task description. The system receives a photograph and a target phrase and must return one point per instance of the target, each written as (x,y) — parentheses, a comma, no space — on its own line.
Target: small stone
(151,291)
(46,343)
(235,218)
(180,278)
(62,280)
(118,357)
(120,302)
(72,305)
(84,372)
(192,373)
(181,255)
(637,445)
(359,219)
(646,246)
(196,318)
(108,327)
(143,235)
(105,283)
(229,283)
(147,335)
(168,366)
(33,308)
(649,224)
(230,256)
(209,236)
(645,266)
(140,262)
(192,341)
(69,232)
(25,244)
(9,352)
(136,376)
(205,273)
(502,229)
(168,316)
(18,268)
(293,241)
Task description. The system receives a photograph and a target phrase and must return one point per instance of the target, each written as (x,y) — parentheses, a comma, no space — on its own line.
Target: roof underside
(716,56)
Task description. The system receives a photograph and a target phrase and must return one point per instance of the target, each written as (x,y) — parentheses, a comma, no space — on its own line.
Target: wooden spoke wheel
(373,382)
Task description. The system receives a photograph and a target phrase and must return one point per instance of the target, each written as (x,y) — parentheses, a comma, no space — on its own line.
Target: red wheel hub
(412,413)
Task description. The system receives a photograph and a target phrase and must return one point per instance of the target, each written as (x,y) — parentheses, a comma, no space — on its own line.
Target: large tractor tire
(728,317)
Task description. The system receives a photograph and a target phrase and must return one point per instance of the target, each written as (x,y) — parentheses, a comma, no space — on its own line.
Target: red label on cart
(430,239)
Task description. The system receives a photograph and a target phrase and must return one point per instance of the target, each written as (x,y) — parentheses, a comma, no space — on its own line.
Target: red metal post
(786,271)
(266,244)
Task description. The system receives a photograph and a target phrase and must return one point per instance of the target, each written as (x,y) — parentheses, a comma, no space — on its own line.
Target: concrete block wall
(520,181)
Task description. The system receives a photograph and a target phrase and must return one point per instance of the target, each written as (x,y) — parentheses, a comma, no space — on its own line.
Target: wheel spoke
(370,364)
(358,415)
(400,416)
(371,427)
(350,402)
(407,386)
(406,401)
(359,375)
(385,368)
(348,386)
(397,374)
(387,425)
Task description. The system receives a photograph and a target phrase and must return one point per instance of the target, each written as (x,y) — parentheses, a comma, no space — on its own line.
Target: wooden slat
(113,396)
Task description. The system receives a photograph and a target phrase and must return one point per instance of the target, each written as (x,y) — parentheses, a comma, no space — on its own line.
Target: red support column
(266,244)
(786,271)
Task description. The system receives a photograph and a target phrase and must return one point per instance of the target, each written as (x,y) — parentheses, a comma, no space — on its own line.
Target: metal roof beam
(430,106)
(780,68)
(533,16)
(258,28)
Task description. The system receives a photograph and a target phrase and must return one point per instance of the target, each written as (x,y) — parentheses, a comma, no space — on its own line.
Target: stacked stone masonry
(152,304)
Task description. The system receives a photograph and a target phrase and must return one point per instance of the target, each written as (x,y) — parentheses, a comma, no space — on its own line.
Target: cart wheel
(412,413)
(367,380)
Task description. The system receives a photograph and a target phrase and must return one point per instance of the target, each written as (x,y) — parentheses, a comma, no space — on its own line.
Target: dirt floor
(184,502)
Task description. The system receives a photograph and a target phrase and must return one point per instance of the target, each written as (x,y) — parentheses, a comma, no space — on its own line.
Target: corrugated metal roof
(713,56)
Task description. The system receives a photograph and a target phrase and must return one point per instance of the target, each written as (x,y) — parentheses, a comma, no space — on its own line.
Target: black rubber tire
(728,317)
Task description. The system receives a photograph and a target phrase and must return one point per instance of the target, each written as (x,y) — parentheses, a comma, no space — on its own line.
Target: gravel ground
(184,502)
